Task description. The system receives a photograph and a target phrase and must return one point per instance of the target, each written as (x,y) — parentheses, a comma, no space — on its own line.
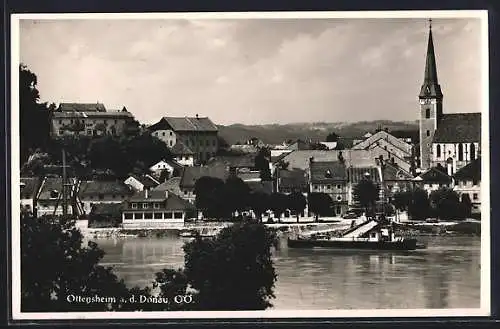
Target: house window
(170,133)
(148,215)
(60,122)
(134,205)
(177,215)
(89,131)
(145,206)
(328,187)
(156,206)
(158,215)
(171,143)
(472,151)
(438,150)
(474,196)
(167,215)
(105,121)
(116,122)
(474,181)
(138,215)
(427,113)
(339,198)
(71,121)
(428,133)
(460,152)
(163,134)
(101,197)
(207,143)
(129,215)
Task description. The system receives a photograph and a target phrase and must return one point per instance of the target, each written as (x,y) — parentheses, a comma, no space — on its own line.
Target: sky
(254,71)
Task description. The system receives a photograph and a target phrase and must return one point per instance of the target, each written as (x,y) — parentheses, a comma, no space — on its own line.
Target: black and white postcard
(250,165)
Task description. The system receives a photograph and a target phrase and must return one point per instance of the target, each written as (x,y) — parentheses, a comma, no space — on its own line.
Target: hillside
(277,134)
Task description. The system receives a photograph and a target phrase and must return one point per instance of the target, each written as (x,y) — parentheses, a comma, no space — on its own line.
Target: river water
(445,275)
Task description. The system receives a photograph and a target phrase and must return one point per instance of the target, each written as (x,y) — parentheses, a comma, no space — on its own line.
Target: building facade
(199,134)
(91,193)
(330,177)
(468,181)
(88,120)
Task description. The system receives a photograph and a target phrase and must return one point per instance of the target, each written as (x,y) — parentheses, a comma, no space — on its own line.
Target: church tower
(431,104)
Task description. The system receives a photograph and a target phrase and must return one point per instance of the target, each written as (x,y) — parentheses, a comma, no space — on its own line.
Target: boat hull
(407,244)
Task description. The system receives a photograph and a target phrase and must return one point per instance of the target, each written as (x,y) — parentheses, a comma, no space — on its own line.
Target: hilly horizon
(316,131)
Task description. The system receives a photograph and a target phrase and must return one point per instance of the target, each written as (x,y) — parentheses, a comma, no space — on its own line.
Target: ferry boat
(204,232)
(369,235)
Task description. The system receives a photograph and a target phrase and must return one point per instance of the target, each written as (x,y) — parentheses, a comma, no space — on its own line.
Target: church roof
(430,87)
(459,128)
(471,171)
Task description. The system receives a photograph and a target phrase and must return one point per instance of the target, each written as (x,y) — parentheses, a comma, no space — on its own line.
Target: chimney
(146,193)
(197,116)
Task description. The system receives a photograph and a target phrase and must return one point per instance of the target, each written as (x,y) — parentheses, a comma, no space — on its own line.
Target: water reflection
(446,275)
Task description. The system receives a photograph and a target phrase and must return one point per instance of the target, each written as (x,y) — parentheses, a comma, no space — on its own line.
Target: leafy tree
(466,205)
(419,207)
(332,137)
(401,200)
(320,204)
(34,117)
(446,204)
(297,203)
(73,269)
(234,271)
(279,203)
(208,195)
(366,193)
(340,146)
(236,194)
(262,163)
(259,203)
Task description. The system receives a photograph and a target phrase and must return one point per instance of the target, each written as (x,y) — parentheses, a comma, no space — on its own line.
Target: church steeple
(430,87)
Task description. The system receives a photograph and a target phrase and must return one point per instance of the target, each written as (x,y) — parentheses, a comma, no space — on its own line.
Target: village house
(395,180)
(191,174)
(183,154)
(357,174)
(171,185)
(330,177)
(433,179)
(50,201)
(155,209)
(29,189)
(98,192)
(393,145)
(198,134)
(468,181)
(140,183)
(89,120)
(294,180)
(171,167)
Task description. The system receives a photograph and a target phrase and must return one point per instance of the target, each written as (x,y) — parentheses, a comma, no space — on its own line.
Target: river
(445,275)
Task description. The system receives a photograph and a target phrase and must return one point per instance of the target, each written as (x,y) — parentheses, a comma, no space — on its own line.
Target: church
(451,140)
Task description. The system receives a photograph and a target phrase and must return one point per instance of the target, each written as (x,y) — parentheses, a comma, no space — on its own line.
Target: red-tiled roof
(459,128)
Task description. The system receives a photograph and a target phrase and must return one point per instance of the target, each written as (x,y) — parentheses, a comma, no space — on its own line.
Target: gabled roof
(82,107)
(180,124)
(172,201)
(93,188)
(29,187)
(171,185)
(434,175)
(355,175)
(191,174)
(50,184)
(293,179)
(471,171)
(234,161)
(355,158)
(106,208)
(459,128)
(84,115)
(181,149)
(327,171)
(392,172)
(385,136)
(146,180)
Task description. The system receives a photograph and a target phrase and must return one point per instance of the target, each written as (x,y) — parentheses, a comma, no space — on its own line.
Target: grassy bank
(462,228)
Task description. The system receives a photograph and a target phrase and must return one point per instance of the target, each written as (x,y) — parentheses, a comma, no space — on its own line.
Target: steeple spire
(430,87)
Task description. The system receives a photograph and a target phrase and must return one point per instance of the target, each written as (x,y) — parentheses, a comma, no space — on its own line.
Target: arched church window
(460,152)
(472,151)
(438,150)
(427,113)
(428,133)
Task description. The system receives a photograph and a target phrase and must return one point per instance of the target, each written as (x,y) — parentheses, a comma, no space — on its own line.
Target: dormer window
(134,205)
(54,194)
(328,173)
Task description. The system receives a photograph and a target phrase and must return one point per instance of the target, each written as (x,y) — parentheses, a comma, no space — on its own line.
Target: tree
(466,205)
(332,137)
(297,203)
(262,163)
(446,204)
(73,269)
(282,165)
(320,204)
(234,271)
(236,194)
(279,203)
(208,197)
(366,193)
(259,203)
(419,207)
(34,118)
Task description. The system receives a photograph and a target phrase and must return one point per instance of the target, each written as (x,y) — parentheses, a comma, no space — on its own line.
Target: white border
(485,301)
